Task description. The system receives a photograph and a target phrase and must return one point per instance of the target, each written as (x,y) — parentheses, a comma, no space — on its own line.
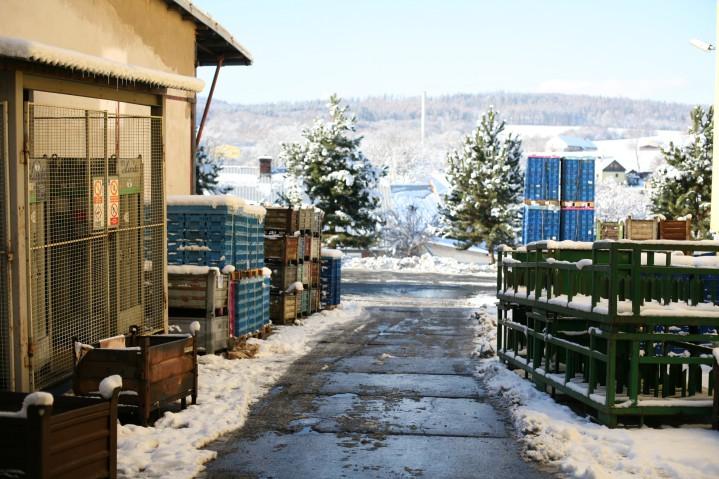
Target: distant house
(614,171)
(637,178)
(570,144)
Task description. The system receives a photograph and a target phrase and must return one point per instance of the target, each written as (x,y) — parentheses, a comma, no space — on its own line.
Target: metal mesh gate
(5,339)
(96,227)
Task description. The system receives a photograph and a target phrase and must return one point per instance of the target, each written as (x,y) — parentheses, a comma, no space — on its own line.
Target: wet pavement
(391,395)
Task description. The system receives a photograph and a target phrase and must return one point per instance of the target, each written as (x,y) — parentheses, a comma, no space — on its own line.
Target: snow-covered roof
(570,143)
(613,167)
(50,55)
(213,40)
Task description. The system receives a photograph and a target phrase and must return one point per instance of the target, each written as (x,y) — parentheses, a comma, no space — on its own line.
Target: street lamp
(702,45)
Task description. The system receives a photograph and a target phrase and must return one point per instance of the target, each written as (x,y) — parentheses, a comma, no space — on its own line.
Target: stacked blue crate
(577,224)
(578,179)
(265,299)
(200,235)
(542,178)
(330,281)
(540,223)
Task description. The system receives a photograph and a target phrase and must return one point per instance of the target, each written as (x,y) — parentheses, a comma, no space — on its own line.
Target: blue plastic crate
(542,178)
(540,223)
(577,224)
(578,179)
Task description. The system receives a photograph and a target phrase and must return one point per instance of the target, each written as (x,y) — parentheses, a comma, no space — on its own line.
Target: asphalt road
(391,395)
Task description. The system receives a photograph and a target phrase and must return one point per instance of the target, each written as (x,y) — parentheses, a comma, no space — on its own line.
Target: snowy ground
(419,264)
(227,389)
(553,434)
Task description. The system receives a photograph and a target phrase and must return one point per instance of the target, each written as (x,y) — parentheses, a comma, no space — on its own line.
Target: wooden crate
(679,230)
(160,369)
(283,308)
(74,437)
(317,220)
(306,218)
(609,230)
(279,219)
(283,249)
(308,246)
(205,292)
(640,230)
(283,275)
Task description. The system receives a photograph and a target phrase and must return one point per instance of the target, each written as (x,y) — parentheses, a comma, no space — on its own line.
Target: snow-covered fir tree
(207,172)
(683,186)
(337,178)
(483,204)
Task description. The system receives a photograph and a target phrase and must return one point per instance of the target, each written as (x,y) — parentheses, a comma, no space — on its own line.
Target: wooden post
(715,371)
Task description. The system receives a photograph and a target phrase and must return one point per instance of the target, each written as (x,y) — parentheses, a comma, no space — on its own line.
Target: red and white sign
(98,203)
(113,203)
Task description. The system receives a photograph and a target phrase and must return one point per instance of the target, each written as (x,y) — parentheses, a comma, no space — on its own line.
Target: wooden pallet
(578,204)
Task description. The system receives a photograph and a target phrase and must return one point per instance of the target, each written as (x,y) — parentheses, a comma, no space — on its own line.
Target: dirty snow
(419,264)
(553,434)
(227,389)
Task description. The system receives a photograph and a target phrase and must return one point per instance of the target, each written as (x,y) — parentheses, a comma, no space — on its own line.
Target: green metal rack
(627,328)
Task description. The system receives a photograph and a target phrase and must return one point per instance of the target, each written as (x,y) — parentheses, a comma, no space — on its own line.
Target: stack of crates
(223,232)
(250,310)
(199,233)
(282,255)
(310,228)
(559,198)
(541,199)
(577,214)
(331,278)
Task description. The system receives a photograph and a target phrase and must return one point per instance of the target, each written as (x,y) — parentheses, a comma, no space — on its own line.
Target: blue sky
(309,49)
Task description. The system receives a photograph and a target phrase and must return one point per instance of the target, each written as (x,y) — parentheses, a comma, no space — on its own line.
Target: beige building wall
(146,33)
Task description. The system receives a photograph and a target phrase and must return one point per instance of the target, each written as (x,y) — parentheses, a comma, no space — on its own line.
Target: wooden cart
(156,370)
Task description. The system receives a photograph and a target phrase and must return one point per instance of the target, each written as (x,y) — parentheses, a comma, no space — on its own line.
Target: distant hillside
(390,125)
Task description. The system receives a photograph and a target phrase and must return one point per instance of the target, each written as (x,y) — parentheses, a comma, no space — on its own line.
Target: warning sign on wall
(98,203)
(113,202)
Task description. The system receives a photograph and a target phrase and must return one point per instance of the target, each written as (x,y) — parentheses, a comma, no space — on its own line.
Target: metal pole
(714,218)
(220,61)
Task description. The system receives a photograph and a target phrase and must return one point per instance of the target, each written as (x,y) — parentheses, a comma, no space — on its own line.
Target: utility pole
(422,116)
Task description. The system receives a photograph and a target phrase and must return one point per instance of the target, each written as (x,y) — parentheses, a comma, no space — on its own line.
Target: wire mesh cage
(95,215)
(5,339)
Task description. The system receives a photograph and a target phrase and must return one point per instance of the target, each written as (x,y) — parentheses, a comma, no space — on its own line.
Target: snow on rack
(227,389)
(189,269)
(553,434)
(74,60)
(419,264)
(234,203)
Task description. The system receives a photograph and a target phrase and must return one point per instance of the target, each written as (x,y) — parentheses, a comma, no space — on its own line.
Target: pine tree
(486,183)
(337,178)
(207,172)
(683,186)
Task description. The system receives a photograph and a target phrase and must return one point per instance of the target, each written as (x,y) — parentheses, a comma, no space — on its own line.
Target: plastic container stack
(577,215)
(541,198)
(228,233)
(559,198)
(331,278)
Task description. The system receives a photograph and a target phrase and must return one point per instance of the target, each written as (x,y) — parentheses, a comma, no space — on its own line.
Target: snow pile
(332,253)
(228,269)
(74,60)
(227,389)
(553,434)
(34,399)
(419,264)
(189,269)
(109,384)
(296,286)
(194,327)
